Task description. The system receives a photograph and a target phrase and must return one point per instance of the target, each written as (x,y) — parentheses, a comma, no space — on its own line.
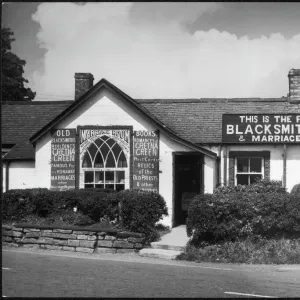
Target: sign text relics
(145,160)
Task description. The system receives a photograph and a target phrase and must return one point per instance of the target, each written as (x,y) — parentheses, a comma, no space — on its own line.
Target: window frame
(248,173)
(104,169)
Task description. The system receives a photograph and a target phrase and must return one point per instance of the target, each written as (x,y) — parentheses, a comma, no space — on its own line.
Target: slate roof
(200,120)
(20,120)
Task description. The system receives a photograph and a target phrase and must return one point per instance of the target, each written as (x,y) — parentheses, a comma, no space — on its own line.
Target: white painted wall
(276,161)
(107,109)
(22,175)
(210,174)
(3,178)
(292,166)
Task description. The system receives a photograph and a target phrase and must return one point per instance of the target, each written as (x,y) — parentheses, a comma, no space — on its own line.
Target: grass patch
(254,250)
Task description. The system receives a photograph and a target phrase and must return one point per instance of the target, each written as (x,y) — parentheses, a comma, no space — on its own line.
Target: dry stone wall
(89,240)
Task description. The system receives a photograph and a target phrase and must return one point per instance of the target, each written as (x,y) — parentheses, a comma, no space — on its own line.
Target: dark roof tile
(200,120)
(20,120)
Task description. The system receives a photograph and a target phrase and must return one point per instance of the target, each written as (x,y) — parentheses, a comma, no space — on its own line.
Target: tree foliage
(12,85)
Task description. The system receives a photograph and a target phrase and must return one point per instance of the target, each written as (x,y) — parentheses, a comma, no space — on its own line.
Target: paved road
(53,274)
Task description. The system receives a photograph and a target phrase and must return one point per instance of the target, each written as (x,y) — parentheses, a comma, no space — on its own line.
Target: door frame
(174,155)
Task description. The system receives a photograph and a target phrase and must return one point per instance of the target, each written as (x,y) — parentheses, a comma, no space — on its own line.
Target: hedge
(296,190)
(231,213)
(141,209)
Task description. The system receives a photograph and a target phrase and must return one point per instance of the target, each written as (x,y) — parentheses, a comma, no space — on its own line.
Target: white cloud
(157,59)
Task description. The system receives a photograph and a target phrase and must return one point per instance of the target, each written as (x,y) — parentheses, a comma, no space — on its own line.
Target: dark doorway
(188,180)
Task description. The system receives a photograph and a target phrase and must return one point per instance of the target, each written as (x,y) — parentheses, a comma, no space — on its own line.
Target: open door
(187,183)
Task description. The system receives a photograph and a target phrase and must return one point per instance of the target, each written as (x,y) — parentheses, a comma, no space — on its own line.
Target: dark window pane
(110,161)
(86,163)
(242,179)
(98,142)
(98,161)
(110,142)
(104,150)
(109,177)
(242,164)
(116,149)
(120,176)
(89,176)
(104,137)
(122,162)
(109,186)
(255,178)
(99,177)
(255,164)
(93,149)
(88,186)
(120,187)
(99,186)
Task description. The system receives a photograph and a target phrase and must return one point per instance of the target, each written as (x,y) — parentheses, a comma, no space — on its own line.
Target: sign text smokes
(63,159)
(145,160)
(261,128)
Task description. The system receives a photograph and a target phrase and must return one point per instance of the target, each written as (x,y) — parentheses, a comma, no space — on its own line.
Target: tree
(12,85)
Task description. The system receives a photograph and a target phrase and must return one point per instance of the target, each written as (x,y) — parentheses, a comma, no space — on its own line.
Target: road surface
(54,274)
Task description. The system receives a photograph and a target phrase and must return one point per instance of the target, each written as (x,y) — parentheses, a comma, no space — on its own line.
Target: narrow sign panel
(145,160)
(261,128)
(63,159)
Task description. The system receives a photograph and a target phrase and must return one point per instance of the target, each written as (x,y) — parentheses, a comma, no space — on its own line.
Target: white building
(106,139)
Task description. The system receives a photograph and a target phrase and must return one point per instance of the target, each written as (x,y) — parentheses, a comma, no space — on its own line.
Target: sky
(157,49)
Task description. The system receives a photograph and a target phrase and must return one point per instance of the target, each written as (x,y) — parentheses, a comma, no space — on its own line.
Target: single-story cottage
(178,147)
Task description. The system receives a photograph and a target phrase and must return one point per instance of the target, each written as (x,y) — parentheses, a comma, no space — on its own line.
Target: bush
(296,190)
(20,203)
(141,210)
(249,251)
(262,209)
(262,186)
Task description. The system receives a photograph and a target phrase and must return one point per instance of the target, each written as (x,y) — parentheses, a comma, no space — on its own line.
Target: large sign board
(63,143)
(145,160)
(261,128)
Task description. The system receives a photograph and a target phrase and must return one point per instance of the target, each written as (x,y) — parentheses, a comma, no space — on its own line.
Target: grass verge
(255,250)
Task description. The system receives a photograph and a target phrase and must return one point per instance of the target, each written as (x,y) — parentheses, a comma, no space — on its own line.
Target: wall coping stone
(76,228)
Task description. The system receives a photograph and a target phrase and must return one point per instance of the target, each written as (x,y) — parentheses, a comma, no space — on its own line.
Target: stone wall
(79,239)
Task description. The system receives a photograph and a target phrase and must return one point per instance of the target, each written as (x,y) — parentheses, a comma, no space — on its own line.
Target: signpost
(145,160)
(63,159)
(261,128)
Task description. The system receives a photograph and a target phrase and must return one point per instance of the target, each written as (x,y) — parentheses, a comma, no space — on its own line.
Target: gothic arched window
(103,163)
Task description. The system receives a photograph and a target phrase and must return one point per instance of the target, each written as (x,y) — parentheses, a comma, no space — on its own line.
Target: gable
(94,108)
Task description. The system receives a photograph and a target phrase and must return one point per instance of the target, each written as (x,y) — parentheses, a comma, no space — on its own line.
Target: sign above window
(261,128)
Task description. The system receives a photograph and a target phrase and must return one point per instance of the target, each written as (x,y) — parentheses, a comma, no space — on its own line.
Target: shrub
(296,190)
(253,250)
(263,209)
(262,186)
(20,203)
(141,210)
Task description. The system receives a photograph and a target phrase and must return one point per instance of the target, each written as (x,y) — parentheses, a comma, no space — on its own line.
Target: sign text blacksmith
(261,128)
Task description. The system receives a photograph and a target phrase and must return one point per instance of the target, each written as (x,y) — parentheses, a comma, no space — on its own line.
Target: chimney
(83,82)
(294,85)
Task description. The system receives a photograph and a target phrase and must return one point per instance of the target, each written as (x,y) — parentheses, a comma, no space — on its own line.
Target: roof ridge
(37,102)
(197,100)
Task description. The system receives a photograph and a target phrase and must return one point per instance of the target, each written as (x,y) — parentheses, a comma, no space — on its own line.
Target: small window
(249,170)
